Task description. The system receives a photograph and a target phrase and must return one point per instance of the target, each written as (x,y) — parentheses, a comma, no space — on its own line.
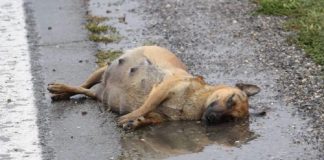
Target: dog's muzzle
(214,116)
(211,116)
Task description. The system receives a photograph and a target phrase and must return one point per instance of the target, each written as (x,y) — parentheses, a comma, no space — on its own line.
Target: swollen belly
(126,89)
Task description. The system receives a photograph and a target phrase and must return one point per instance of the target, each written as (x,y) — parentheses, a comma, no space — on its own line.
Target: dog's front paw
(57,88)
(129,125)
(123,120)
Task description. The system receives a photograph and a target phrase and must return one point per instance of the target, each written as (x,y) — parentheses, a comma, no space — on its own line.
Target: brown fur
(151,85)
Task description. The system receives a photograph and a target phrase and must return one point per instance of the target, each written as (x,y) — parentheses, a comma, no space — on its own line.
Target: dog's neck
(207,91)
(201,95)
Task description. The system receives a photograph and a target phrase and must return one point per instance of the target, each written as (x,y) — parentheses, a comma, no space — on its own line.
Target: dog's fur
(150,85)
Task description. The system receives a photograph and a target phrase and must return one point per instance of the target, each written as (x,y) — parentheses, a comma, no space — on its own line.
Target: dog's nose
(213,117)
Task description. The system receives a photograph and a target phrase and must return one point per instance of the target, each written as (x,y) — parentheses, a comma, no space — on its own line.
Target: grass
(97,29)
(94,26)
(306,18)
(103,33)
(107,56)
(104,38)
(112,29)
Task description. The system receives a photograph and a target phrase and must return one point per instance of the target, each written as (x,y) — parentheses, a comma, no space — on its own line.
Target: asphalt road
(221,41)
(61,52)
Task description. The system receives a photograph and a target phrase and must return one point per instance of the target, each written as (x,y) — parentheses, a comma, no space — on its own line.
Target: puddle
(176,138)
(205,38)
(18,129)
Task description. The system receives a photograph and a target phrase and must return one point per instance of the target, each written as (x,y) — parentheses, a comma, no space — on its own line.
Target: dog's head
(227,103)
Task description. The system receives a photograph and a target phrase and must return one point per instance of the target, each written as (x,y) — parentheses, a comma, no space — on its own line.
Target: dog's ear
(249,89)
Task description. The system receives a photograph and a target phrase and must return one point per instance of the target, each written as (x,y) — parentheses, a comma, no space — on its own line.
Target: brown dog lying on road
(150,85)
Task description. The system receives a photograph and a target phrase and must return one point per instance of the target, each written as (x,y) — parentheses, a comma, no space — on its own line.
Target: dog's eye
(230,102)
(212,104)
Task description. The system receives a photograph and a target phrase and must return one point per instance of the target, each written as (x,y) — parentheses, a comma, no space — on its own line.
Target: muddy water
(214,39)
(18,129)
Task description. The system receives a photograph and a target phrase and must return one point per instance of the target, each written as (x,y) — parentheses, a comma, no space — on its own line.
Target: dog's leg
(158,94)
(92,80)
(57,88)
(150,118)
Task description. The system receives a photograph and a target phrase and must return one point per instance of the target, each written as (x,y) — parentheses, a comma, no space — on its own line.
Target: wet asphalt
(220,40)
(61,52)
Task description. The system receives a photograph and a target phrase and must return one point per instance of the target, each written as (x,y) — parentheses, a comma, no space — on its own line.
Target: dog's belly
(128,81)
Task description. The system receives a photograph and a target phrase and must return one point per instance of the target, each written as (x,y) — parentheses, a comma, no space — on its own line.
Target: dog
(149,85)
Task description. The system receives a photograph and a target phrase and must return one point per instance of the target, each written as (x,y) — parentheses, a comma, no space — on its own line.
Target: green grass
(100,32)
(112,29)
(103,34)
(104,57)
(306,18)
(96,28)
(104,38)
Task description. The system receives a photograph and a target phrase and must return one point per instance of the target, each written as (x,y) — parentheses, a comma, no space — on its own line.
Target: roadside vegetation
(104,57)
(99,32)
(103,38)
(306,18)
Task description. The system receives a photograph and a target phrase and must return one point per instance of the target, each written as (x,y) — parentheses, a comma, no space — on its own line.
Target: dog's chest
(183,102)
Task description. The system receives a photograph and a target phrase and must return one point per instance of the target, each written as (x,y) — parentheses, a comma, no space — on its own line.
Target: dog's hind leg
(62,91)
(57,88)
(94,78)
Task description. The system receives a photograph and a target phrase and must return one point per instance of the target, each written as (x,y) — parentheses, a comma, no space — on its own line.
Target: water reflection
(175,138)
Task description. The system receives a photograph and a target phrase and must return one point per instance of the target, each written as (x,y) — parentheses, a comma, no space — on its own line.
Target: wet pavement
(221,41)
(69,129)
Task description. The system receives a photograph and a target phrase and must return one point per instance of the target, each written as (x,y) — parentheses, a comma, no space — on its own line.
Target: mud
(222,41)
